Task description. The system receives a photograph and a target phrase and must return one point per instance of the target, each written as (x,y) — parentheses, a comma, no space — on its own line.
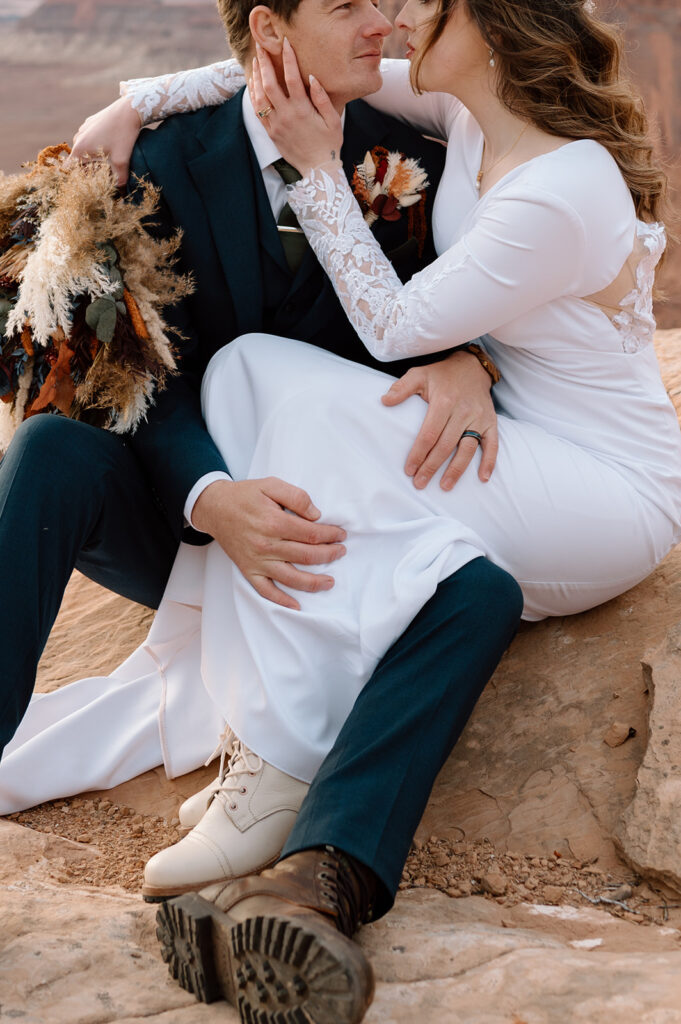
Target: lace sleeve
(523,252)
(156,98)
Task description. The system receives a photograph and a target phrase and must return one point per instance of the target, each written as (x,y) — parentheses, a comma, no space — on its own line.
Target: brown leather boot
(277,945)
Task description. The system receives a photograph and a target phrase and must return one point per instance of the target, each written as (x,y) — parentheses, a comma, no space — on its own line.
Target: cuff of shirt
(198,489)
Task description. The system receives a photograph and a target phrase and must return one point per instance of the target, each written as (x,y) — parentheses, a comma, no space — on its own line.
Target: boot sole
(274,970)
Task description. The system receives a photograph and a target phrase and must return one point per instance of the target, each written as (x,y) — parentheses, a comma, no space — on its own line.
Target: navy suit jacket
(212,188)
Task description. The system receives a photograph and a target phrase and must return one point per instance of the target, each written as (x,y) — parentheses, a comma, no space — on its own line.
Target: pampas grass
(66,238)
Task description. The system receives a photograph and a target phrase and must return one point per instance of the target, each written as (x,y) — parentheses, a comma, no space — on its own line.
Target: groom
(220,176)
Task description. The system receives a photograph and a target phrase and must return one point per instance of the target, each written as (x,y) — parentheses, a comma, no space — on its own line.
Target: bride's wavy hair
(560,67)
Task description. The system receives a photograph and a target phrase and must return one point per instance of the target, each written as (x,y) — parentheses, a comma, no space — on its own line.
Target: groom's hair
(235,14)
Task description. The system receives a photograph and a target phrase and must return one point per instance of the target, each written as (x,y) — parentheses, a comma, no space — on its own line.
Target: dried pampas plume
(68,240)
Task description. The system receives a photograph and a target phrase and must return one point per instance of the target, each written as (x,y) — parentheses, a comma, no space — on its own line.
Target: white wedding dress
(553,267)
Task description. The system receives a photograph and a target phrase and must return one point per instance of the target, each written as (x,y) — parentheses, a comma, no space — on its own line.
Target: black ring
(471,433)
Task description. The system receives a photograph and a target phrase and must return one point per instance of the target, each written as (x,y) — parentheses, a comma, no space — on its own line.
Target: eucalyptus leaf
(101,317)
(117,280)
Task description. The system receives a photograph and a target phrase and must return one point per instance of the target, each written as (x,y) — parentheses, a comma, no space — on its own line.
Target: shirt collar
(265,150)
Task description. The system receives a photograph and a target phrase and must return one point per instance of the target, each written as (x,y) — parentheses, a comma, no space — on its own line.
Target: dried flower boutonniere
(386,183)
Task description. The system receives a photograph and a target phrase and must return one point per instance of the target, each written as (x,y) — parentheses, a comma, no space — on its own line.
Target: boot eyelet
(243,789)
(232,807)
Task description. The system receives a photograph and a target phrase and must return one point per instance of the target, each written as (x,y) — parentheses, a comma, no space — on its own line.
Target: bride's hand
(306,129)
(112,132)
(458,393)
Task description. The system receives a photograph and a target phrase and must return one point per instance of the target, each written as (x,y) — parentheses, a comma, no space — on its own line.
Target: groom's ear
(267,29)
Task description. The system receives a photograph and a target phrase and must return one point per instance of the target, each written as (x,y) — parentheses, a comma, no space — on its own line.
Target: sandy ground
(127,839)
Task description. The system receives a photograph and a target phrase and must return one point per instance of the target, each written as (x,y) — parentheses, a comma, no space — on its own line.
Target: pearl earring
(492,61)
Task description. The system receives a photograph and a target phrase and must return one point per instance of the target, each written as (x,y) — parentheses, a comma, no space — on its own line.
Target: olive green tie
(293,240)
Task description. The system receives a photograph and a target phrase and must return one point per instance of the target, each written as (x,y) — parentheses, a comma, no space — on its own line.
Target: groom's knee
(485,606)
(58,453)
(493,600)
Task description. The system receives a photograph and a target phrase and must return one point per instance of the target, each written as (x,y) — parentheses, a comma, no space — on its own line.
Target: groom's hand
(250,522)
(458,393)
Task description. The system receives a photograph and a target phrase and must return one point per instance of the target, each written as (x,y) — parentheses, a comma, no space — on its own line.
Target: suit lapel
(364,129)
(224,178)
(267,226)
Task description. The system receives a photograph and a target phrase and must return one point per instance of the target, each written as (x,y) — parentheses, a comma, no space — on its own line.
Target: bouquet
(82,288)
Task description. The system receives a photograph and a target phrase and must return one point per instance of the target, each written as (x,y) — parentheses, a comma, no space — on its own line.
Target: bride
(546,222)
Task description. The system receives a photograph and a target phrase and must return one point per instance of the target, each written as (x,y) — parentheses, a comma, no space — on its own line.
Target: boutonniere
(387,183)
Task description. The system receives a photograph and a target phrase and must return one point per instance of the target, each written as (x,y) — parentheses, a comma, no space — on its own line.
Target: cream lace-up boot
(194,807)
(243,830)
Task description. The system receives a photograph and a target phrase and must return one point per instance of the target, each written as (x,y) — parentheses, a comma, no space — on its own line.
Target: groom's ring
(265,112)
(471,433)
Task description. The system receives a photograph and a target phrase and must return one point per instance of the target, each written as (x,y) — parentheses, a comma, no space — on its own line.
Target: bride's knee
(229,366)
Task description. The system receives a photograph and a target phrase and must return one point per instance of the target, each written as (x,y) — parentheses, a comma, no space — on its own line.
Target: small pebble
(618,733)
(494,883)
(552,894)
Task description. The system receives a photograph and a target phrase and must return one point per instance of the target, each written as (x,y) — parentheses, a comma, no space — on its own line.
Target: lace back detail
(632,316)
(634,319)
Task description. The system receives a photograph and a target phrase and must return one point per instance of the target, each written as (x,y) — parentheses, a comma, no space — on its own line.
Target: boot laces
(242,761)
(347,890)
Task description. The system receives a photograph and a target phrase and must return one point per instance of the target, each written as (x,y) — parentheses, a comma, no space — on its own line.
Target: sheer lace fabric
(635,320)
(492,274)
(632,315)
(178,93)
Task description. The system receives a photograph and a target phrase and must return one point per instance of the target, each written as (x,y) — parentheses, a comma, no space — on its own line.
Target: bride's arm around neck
(159,97)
